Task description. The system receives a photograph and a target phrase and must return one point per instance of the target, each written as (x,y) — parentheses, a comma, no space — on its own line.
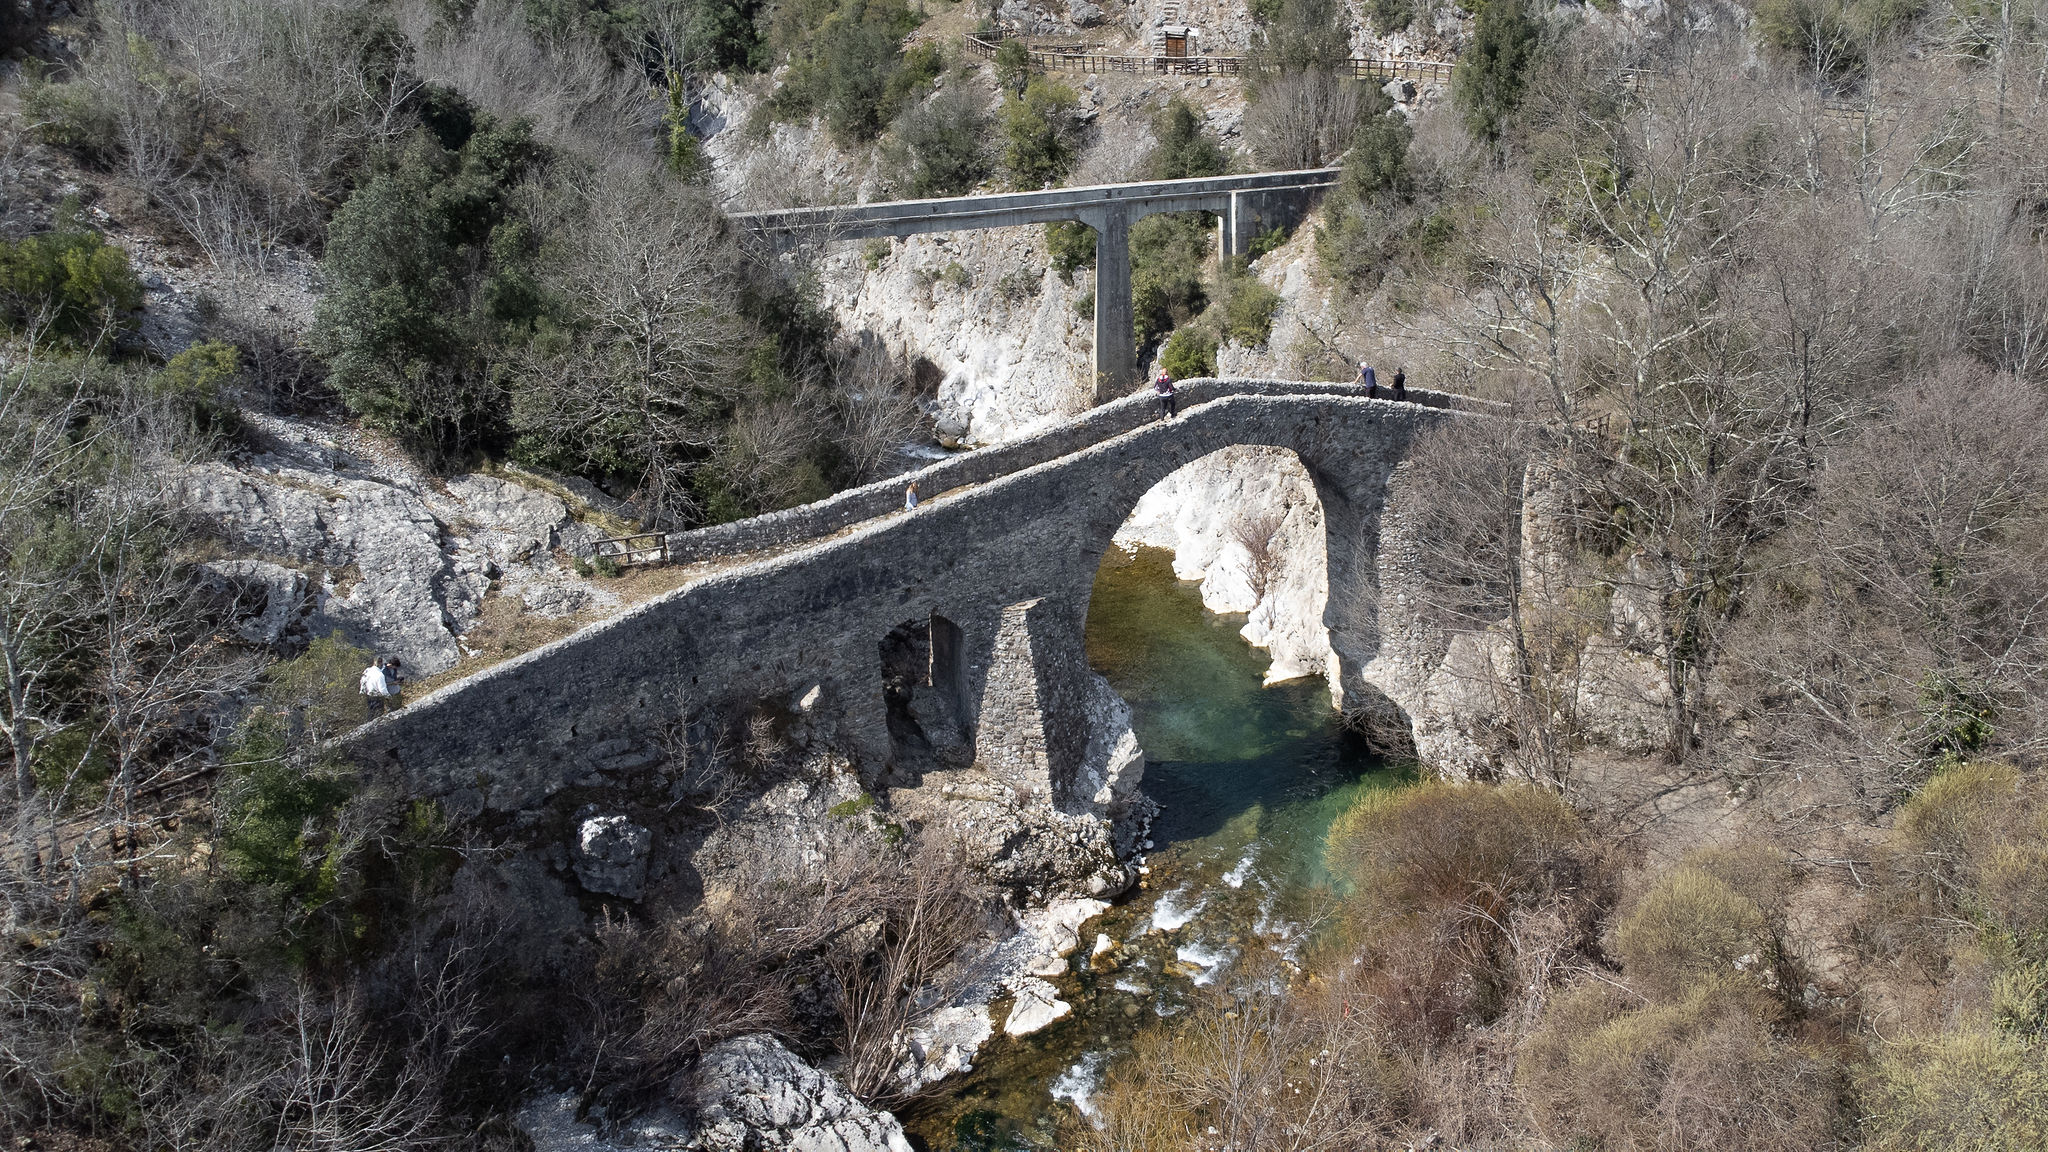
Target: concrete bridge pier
(1116,338)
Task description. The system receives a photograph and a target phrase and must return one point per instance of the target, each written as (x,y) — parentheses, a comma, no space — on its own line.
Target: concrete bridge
(993,578)
(1245,205)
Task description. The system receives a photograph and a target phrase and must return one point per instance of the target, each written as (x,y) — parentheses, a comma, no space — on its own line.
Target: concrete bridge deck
(1246,205)
(999,573)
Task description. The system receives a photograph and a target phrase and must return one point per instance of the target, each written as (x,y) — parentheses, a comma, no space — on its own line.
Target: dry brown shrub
(1709,1071)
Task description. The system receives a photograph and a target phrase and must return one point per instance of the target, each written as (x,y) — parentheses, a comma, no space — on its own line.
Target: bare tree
(647,370)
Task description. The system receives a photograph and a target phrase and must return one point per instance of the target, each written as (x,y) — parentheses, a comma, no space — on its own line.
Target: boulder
(1082,14)
(752,1093)
(1037,1005)
(1399,91)
(943,1045)
(611,856)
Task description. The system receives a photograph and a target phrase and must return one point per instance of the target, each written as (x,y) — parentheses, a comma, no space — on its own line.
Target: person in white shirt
(375,689)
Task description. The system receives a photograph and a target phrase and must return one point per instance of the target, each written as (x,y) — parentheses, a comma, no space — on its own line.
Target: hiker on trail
(375,689)
(1370,379)
(910,497)
(1400,384)
(394,693)
(1163,387)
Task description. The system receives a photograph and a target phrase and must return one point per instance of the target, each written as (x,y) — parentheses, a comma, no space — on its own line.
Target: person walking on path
(910,497)
(1163,386)
(1370,379)
(375,689)
(394,690)
(1400,384)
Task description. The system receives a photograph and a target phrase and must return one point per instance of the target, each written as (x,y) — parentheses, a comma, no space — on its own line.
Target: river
(1248,780)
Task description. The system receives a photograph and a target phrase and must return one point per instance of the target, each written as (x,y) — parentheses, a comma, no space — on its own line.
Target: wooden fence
(641,548)
(1096,63)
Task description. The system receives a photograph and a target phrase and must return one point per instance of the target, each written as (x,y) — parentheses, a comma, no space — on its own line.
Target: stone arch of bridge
(1009,561)
(1031,675)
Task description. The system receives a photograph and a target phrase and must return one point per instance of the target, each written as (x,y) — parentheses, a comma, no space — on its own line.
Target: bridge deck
(1011,209)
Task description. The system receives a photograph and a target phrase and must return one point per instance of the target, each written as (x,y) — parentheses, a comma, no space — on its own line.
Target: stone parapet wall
(856,505)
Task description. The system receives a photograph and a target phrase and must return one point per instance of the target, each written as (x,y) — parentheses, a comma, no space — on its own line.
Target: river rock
(943,1045)
(754,1094)
(1037,1005)
(1060,924)
(611,856)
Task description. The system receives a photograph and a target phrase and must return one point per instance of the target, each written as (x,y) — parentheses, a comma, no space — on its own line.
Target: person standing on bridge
(1400,384)
(375,689)
(910,497)
(1163,387)
(1370,379)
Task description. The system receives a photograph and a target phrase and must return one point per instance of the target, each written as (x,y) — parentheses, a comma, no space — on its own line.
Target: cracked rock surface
(345,535)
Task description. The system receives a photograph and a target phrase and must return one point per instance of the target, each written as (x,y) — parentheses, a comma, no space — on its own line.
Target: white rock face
(752,1093)
(1209,511)
(359,542)
(984,308)
(1037,1005)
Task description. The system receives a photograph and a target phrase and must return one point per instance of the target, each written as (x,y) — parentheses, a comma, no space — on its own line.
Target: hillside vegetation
(1745,838)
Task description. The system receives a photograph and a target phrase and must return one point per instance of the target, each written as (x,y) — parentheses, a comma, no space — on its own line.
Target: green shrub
(277,815)
(1265,242)
(1013,66)
(1377,165)
(874,252)
(1169,255)
(1390,15)
(1969,1090)
(199,380)
(1691,927)
(1248,309)
(429,275)
(685,152)
(1071,245)
(1042,133)
(1487,84)
(1185,149)
(73,281)
(72,117)
(850,68)
(1189,353)
(940,147)
(1084,305)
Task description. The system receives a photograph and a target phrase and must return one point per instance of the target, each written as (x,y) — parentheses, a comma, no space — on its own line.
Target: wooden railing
(1096,63)
(640,548)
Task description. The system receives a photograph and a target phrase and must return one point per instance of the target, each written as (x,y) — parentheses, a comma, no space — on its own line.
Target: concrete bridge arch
(1007,563)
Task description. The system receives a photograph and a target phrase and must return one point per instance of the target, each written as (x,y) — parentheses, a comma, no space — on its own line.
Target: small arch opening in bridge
(924,690)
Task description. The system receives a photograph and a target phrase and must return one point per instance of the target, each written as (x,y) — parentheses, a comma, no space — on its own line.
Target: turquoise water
(1248,779)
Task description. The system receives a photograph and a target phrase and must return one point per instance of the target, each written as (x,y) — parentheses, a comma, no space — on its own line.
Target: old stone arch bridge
(995,570)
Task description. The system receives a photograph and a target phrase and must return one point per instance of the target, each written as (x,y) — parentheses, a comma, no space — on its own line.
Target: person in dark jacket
(1163,388)
(1400,384)
(1370,379)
